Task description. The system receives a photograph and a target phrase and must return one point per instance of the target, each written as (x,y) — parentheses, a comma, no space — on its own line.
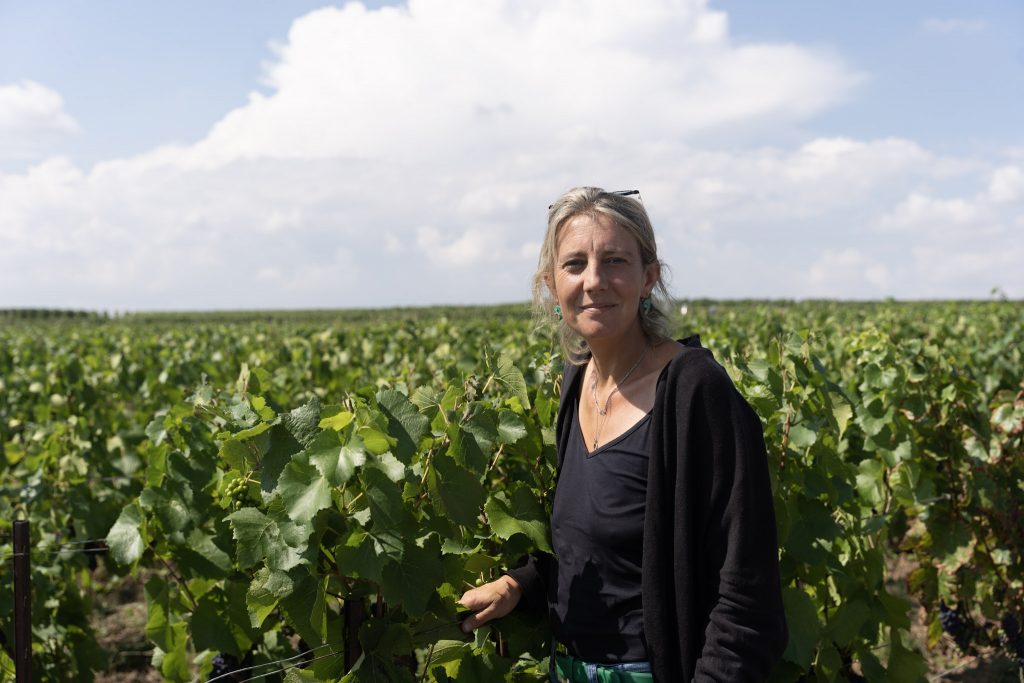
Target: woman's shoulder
(694,368)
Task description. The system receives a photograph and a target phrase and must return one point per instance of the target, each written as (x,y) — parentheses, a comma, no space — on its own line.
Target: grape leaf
(335,460)
(405,423)
(125,539)
(303,490)
(518,510)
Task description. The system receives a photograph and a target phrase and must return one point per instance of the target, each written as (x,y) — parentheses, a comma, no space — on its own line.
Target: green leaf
(337,422)
(804,629)
(200,556)
(303,423)
(299,605)
(283,446)
(466,449)
(869,482)
(356,557)
(449,651)
(842,412)
(905,666)
(384,499)
(174,660)
(518,511)
(412,581)
(336,460)
(510,427)
(801,437)
(454,491)
(266,589)
(847,621)
(265,538)
(125,538)
(220,623)
(509,375)
(405,423)
(252,431)
(303,490)
(162,613)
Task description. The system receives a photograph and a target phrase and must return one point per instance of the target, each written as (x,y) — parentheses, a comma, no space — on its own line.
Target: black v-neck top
(597,526)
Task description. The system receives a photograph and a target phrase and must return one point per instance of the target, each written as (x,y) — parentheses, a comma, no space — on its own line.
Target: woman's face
(599,277)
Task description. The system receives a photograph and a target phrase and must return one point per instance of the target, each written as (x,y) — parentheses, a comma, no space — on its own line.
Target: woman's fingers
(490,601)
(480,618)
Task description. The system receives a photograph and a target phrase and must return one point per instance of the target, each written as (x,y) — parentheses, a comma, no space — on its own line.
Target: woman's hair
(628,214)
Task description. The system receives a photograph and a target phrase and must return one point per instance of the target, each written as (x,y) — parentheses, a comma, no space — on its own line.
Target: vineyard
(305,496)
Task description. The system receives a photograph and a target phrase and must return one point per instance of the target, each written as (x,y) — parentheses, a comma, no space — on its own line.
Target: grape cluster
(238,491)
(958,626)
(223,663)
(1012,639)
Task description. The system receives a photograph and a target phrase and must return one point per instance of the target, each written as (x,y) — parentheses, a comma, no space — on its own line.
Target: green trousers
(575,671)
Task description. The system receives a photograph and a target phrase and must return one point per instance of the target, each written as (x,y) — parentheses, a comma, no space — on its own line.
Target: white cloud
(30,115)
(953,25)
(848,272)
(407,154)
(1007,185)
(443,79)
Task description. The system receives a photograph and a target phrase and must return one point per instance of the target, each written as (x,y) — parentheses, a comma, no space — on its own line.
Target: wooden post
(22,604)
(354,613)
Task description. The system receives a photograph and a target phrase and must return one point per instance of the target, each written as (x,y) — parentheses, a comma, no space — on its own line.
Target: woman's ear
(652,273)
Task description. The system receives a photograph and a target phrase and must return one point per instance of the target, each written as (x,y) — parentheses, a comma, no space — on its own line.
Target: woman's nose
(594,276)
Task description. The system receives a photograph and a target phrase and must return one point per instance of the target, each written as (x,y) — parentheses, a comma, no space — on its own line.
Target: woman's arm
(746,628)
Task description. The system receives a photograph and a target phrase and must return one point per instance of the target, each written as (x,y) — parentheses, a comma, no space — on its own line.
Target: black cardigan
(710,580)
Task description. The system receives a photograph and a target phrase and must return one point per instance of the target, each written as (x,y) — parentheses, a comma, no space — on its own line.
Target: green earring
(558,311)
(645,304)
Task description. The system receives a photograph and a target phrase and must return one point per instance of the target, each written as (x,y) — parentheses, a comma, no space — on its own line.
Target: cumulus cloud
(407,155)
(31,115)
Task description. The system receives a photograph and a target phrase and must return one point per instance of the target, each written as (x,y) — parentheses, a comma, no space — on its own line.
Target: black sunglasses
(622,193)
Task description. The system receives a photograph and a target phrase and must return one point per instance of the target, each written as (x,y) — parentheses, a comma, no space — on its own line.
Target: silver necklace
(603,412)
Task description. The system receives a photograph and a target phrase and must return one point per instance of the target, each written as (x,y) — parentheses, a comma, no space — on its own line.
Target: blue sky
(230,154)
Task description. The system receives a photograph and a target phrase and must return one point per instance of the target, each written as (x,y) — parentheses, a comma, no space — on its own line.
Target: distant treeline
(815,308)
(50,314)
(358,315)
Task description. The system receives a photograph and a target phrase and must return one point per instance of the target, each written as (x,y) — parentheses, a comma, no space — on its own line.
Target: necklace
(603,412)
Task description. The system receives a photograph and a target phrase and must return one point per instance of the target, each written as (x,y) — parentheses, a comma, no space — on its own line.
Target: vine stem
(181,582)
(426,664)
(494,460)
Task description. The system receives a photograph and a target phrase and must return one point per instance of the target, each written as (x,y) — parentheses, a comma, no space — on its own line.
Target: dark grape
(957,625)
(1012,638)
(223,663)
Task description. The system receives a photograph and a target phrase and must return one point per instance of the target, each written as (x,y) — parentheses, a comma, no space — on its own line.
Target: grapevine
(272,478)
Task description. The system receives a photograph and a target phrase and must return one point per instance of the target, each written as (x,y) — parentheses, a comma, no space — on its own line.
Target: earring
(645,304)
(558,311)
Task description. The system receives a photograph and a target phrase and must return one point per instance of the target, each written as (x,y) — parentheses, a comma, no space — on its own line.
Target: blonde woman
(666,557)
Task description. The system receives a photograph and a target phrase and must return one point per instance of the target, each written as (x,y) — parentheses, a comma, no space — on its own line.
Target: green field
(329,483)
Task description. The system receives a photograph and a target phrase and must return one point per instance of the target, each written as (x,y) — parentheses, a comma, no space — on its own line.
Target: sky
(260,154)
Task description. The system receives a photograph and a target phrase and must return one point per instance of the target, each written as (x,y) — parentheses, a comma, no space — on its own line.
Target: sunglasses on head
(623,193)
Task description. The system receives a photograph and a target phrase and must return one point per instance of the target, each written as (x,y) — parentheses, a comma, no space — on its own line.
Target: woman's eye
(575,264)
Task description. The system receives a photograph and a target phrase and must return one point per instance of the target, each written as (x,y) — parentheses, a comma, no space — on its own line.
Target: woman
(666,558)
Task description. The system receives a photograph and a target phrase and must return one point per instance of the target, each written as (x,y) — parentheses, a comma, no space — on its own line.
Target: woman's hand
(490,601)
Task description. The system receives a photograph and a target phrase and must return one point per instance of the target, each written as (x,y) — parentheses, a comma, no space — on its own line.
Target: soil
(119,622)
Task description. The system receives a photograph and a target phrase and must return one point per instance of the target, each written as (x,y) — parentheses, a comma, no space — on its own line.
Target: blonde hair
(630,215)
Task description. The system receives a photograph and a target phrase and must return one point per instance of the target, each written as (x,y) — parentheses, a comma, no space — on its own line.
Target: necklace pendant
(602,412)
(594,447)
